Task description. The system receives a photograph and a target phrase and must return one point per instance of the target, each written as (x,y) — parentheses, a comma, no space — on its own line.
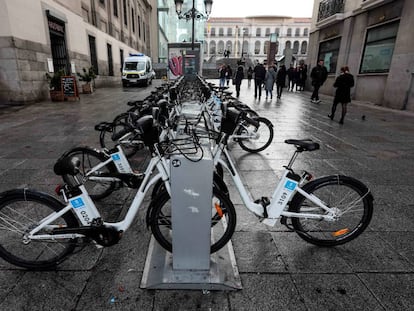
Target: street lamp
(193,14)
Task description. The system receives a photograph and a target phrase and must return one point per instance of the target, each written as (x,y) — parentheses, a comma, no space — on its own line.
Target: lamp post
(242,53)
(193,14)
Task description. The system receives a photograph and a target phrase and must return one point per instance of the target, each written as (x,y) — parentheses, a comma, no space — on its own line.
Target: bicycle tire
(120,124)
(160,220)
(20,211)
(265,132)
(345,194)
(90,158)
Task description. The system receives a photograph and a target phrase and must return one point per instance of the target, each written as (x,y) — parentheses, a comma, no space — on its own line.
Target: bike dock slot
(190,265)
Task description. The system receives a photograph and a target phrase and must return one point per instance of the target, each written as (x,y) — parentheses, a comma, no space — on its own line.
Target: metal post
(193,18)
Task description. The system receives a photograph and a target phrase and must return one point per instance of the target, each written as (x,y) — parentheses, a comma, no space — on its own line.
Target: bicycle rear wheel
(121,126)
(21,210)
(223,222)
(350,199)
(261,136)
(89,158)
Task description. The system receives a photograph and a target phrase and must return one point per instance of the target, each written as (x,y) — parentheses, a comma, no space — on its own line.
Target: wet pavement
(278,270)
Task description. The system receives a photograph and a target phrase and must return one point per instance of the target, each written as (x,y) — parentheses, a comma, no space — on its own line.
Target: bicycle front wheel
(89,158)
(256,139)
(351,201)
(223,221)
(21,210)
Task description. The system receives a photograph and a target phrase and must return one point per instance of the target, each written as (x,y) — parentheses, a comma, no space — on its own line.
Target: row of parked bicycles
(181,117)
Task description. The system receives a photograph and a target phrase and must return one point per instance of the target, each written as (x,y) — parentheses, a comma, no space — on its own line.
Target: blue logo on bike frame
(290,185)
(116,157)
(77,203)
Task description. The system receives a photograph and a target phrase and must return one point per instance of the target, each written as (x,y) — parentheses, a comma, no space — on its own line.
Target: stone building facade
(40,36)
(372,37)
(249,37)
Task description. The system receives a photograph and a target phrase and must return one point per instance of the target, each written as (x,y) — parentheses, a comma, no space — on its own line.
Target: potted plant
(87,75)
(55,85)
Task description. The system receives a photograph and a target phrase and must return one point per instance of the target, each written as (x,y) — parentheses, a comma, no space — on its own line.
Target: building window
(133,19)
(295,47)
(306,32)
(221,32)
(297,32)
(379,47)
(205,47)
(228,46)
(121,55)
(289,32)
(266,47)
(139,26)
(258,32)
(220,47)
(328,52)
(115,7)
(213,47)
(94,58)
(304,47)
(257,47)
(125,13)
(288,45)
(267,32)
(229,32)
(143,30)
(277,31)
(110,61)
(213,32)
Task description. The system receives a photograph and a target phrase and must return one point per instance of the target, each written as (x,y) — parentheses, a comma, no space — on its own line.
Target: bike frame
(157,162)
(276,206)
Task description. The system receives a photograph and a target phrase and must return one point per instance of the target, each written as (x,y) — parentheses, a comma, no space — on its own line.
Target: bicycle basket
(230,121)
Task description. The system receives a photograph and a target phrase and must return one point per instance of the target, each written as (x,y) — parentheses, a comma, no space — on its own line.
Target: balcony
(328,8)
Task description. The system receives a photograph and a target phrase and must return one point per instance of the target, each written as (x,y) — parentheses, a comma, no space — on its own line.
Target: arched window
(258,32)
(257,47)
(297,32)
(213,47)
(229,46)
(221,32)
(305,32)
(289,32)
(205,47)
(296,47)
(266,47)
(229,32)
(220,47)
(304,47)
(245,47)
(288,45)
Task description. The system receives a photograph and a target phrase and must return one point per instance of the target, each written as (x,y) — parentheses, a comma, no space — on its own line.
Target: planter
(56,96)
(87,88)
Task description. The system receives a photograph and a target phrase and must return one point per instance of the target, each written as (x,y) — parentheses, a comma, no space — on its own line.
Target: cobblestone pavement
(278,270)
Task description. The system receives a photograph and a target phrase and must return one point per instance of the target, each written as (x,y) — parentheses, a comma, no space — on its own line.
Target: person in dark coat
(238,79)
(291,72)
(249,76)
(259,76)
(281,80)
(229,74)
(319,74)
(343,86)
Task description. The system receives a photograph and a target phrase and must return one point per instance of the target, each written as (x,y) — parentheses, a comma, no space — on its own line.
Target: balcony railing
(330,7)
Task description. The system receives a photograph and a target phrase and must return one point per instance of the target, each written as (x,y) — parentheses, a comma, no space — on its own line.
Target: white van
(137,69)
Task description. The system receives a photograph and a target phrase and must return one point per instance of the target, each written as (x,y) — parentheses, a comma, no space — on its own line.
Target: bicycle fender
(10,194)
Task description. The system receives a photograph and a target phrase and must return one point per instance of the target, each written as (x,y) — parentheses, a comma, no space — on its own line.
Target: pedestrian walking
(238,79)
(291,77)
(259,76)
(229,74)
(269,81)
(222,75)
(319,74)
(249,76)
(281,80)
(343,84)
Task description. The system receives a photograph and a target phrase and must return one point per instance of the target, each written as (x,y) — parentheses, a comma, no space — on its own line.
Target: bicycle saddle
(303,144)
(67,166)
